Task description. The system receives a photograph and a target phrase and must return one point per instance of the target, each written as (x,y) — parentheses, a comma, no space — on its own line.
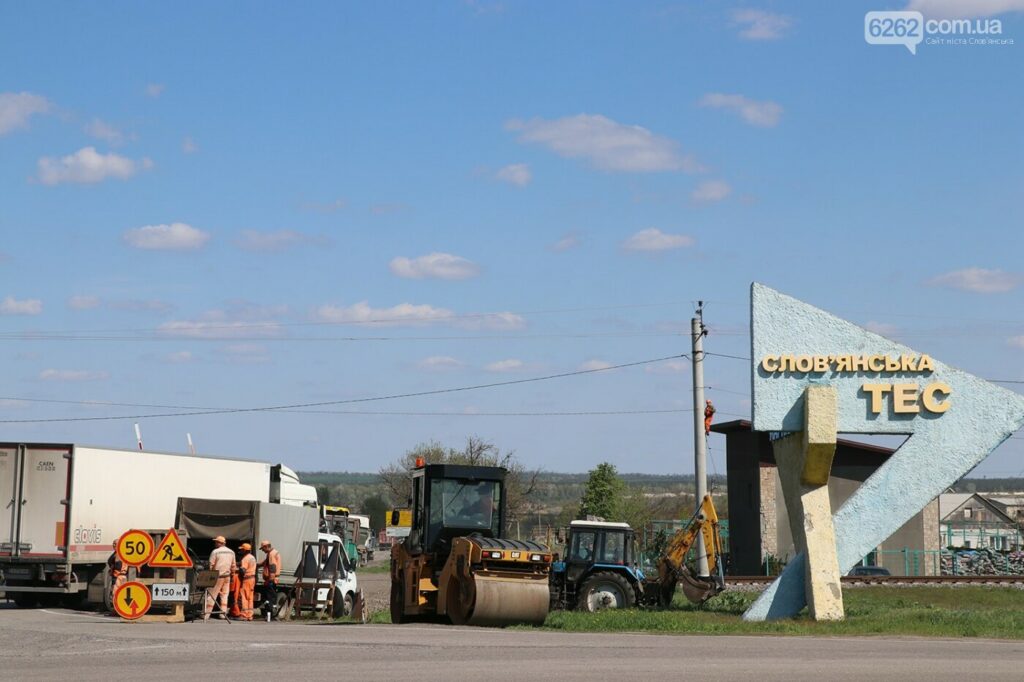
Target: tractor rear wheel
(606,590)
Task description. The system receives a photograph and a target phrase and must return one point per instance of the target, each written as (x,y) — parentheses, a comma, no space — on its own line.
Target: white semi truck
(62,506)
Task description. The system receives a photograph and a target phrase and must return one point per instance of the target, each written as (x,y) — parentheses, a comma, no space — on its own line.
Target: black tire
(606,590)
(342,607)
(279,605)
(397,602)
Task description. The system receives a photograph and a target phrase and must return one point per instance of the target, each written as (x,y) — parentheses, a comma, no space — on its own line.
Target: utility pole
(700,443)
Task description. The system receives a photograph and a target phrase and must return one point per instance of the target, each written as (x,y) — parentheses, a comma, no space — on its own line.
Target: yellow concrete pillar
(805,461)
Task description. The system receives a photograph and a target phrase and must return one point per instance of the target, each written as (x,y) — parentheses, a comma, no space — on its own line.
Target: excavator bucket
(696,589)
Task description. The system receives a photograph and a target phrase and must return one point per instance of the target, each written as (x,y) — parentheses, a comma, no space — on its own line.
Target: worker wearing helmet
(247,578)
(271,572)
(222,560)
(709,413)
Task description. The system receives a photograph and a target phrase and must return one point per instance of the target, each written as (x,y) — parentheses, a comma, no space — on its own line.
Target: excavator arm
(672,563)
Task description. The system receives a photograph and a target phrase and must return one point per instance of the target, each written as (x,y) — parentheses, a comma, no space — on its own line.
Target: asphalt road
(49,644)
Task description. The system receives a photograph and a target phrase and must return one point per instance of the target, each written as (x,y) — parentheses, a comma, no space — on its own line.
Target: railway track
(754,580)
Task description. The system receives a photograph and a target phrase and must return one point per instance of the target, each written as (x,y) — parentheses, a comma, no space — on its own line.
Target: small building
(979,521)
(756,505)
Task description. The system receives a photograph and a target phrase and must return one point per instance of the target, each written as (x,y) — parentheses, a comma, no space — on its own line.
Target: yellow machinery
(672,567)
(454,564)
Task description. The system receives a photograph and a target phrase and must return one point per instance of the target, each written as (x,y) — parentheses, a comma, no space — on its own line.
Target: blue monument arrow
(942,446)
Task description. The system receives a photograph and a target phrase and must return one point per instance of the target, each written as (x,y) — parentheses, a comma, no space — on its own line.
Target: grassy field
(912,611)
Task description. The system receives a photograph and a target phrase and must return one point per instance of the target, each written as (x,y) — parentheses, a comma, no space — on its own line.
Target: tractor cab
(598,568)
(451,501)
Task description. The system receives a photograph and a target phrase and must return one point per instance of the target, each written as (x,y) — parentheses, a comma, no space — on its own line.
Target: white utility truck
(288,528)
(62,506)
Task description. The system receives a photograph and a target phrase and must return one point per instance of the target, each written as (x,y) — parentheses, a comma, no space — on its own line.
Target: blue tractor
(599,570)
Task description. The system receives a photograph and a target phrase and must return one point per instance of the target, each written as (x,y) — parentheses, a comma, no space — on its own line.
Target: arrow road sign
(132,600)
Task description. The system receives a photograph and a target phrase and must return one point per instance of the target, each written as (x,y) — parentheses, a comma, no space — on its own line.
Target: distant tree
(520,483)
(603,494)
(376,507)
(325,494)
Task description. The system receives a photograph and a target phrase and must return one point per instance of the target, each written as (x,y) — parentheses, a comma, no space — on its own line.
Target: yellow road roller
(455,566)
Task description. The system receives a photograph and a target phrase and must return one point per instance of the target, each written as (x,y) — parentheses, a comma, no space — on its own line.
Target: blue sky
(206,199)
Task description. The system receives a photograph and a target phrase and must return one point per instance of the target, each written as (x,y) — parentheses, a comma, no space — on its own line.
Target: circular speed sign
(135,547)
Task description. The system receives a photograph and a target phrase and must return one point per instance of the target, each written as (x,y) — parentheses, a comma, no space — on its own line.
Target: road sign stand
(177,609)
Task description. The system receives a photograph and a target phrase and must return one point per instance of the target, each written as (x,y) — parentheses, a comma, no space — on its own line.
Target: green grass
(378,568)
(912,611)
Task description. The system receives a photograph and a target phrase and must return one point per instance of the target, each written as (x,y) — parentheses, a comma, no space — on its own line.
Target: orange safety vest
(249,566)
(272,566)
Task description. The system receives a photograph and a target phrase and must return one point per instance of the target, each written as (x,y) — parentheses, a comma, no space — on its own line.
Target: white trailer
(62,506)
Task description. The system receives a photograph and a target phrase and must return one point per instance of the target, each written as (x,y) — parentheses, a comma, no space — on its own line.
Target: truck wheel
(397,602)
(606,591)
(342,607)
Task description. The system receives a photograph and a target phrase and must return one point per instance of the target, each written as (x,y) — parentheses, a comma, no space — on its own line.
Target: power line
(187,338)
(192,411)
(724,355)
(439,317)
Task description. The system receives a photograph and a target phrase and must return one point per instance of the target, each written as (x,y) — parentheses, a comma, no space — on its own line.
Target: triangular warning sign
(170,553)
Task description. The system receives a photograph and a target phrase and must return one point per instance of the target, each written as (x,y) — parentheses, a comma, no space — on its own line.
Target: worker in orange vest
(222,560)
(247,580)
(709,413)
(271,572)
(118,573)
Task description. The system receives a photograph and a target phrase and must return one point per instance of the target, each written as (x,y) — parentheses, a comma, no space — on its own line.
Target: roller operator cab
(598,571)
(455,564)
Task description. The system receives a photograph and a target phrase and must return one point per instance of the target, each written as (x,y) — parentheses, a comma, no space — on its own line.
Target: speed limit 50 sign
(135,547)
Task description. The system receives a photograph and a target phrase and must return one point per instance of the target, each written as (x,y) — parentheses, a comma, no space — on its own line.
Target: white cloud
(28,306)
(439,363)
(964,9)
(653,239)
(516,174)
(142,306)
(757,24)
(72,375)
(245,353)
(83,302)
(408,314)
(434,266)
(189,146)
(16,108)
(277,241)
(234,323)
(711,191)
(504,321)
(978,281)
(102,130)
(1017,341)
(154,90)
(594,364)
(668,367)
(509,365)
(882,328)
(89,166)
(570,240)
(179,357)
(168,237)
(605,144)
(401,314)
(763,114)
